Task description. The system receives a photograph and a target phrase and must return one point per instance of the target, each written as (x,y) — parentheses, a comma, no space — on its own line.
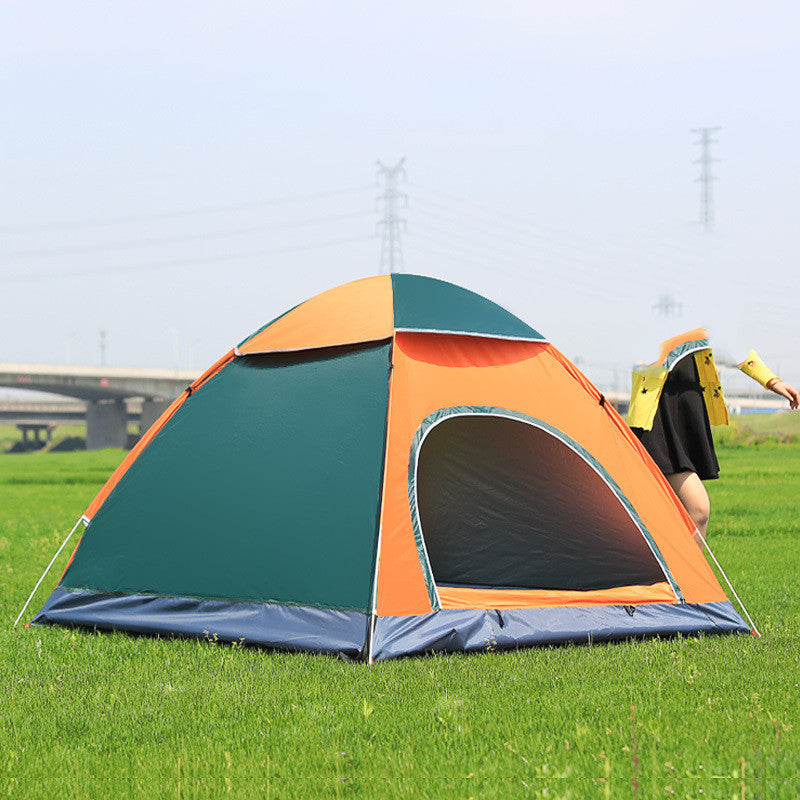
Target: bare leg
(693,495)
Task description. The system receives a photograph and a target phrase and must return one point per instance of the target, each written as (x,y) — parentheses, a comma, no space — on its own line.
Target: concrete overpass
(104,391)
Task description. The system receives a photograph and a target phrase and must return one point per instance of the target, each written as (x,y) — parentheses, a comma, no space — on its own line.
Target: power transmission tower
(668,306)
(706,178)
(391,225)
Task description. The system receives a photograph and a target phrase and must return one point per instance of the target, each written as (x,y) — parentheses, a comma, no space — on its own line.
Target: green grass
(73,434)
(86,715)
(747,429)
(11,435)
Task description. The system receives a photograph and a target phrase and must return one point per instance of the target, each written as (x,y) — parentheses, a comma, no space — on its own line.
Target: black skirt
(680,439)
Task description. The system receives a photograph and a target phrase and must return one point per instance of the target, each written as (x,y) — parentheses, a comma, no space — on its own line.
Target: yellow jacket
(649,381)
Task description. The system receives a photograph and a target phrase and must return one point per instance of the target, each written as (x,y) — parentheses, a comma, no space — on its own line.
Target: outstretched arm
(755,367)
(786,390)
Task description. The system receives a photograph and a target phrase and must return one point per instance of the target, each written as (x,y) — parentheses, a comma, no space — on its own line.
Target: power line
(583,257)
(464,252)
(133,218)
(225,234)
(566,232)
(525,253)
(183,262)
(585,244)
(588,255)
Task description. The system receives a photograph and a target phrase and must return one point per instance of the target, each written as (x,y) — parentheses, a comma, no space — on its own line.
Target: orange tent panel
(512,376)
(360,311)
(467,597)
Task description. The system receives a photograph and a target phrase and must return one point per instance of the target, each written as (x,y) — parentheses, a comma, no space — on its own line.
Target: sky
(176,174)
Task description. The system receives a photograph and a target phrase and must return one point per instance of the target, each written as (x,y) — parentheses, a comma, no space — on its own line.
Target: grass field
(86,715)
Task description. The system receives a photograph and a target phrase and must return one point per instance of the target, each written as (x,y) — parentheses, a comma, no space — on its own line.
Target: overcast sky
(178,173)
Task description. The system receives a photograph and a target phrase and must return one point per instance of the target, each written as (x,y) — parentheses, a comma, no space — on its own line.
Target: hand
(786,390)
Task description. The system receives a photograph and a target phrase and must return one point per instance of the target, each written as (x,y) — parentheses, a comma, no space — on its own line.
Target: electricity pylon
(706,178)
(392,225)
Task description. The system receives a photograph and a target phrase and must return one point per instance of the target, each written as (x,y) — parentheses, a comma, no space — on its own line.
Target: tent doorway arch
(502,500)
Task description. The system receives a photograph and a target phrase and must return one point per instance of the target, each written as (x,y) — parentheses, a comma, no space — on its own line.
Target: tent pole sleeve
(730,585)
(376,566)
(47,569)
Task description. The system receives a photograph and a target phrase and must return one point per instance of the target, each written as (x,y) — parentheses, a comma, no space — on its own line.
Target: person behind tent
(673,404)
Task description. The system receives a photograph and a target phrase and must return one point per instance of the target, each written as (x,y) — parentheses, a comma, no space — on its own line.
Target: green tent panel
(428,304)
(259,448)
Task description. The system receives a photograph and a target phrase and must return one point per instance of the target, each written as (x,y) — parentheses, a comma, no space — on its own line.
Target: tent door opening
(504,502)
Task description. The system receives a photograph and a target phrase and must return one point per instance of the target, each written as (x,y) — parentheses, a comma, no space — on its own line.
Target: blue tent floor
(348,632)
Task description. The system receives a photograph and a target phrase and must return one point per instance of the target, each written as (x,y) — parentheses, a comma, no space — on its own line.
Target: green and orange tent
(395,466)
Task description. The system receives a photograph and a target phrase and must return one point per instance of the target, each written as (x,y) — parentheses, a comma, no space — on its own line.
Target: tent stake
(47,569)
(730,585)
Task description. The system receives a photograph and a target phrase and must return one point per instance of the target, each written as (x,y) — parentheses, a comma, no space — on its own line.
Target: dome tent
(395,466)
